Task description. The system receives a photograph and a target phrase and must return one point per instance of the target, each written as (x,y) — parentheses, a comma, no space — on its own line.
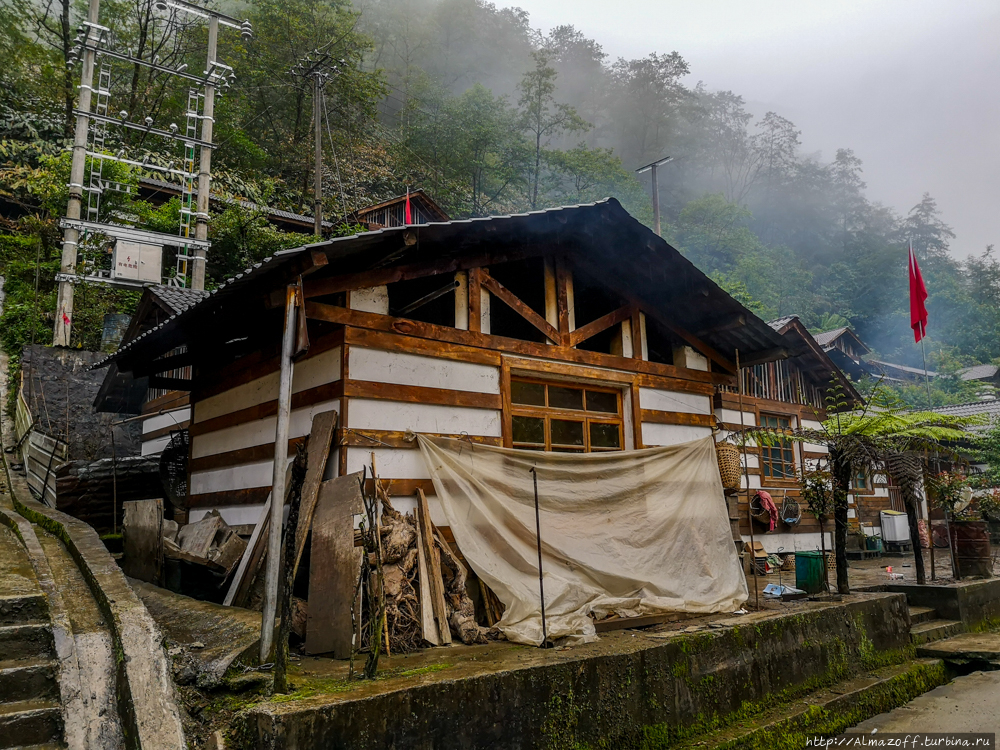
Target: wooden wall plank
(333,568)
(677,417)
(142,532)
(420,394)
(309,397)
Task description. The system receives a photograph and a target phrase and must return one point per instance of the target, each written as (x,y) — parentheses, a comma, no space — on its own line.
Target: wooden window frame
(869,489)
(548,413)
(791,477)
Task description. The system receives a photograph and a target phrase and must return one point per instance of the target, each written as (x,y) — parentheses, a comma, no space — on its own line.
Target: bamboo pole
(746,474)
(278,477)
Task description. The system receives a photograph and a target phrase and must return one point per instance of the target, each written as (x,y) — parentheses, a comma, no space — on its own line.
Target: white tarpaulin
(630,533)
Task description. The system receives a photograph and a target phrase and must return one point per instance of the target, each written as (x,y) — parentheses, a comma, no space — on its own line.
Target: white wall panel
(414,369)
(691,403)
(388,415)
(152,447)
(392,463)
(309,373)
(732,417)
(169,419)
(242,477)
(671,434)
(258,432)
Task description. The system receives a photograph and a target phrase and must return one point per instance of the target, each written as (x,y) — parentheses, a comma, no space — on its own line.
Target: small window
(565,418)
(860,482)
(777,460)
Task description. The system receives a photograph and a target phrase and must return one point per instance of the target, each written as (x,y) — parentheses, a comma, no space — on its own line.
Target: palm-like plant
(878,435)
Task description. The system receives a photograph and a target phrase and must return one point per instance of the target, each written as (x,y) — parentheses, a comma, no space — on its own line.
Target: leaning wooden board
(334,566)
(142,531)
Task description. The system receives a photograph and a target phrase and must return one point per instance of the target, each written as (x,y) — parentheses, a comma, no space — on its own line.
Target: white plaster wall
(373,299)
(388,415)
(392,463)
(242,477)
(234,515)
(258,432)
(309,373)
(169,419)
(732,417)
(152,447)
(692,403)
(671,434)
(414,369)
(791,542)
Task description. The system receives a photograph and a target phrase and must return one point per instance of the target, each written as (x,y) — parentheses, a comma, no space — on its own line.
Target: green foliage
(243,236)
(947,490)
(817,492)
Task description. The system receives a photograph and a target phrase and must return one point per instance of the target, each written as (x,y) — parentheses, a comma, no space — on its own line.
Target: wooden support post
(278,476)
(551,297)
(475,301)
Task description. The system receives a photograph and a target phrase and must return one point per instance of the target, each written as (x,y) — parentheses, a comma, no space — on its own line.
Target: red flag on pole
(918,295)
(409,212)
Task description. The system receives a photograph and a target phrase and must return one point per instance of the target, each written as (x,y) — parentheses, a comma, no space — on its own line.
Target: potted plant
(989,509)
(968,533)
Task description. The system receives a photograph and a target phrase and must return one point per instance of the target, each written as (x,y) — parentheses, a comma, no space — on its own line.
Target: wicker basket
(729,465)
(831,561)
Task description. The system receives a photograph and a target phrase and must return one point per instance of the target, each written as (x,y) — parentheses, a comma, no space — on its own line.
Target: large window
(777,459)
(565,417)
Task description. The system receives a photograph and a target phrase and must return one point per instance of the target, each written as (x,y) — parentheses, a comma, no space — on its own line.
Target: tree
(541,116)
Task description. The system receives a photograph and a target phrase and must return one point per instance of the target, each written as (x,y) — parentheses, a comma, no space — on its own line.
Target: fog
(909,85)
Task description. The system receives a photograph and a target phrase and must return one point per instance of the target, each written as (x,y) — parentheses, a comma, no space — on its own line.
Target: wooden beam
(403,487)
(362,438)
(433,560)
(768,355)
(497,289)
(636,321)
(417,329)
(563,281)
(418,394)
(677,417)
(309,397)
(601,324)
(475,301)
(736,322)
(252,455)
(380,276)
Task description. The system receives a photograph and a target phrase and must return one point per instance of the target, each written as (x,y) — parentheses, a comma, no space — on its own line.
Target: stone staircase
(30,709)
(926,626)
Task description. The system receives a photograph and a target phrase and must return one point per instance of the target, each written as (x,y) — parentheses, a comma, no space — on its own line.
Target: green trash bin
(810,574)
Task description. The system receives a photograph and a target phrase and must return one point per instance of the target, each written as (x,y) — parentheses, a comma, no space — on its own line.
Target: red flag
(409,213)
(918,295)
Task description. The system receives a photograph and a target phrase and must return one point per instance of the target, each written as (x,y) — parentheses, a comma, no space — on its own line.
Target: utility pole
(205,166)
(320,67)
(96,43)
(64,301)
(318,166)
(656,190)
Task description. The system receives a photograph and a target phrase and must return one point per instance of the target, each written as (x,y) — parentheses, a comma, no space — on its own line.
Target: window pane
(603,435)
(603,402)
(528,429)
(565,432)
(532,394)
(565,398)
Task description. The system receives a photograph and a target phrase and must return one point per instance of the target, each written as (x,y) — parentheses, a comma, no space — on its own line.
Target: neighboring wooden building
(791,393)
(572,329)
(392,213)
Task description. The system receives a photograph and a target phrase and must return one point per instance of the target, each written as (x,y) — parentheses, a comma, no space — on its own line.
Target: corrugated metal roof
(978,372)
(902,368)
(656,273)
(990,408)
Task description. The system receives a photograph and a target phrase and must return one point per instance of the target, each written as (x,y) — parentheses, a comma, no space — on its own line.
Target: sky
(910,85)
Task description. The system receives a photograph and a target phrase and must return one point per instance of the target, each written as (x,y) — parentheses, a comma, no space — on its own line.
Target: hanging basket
(790,512)
(758,512)
(729,465)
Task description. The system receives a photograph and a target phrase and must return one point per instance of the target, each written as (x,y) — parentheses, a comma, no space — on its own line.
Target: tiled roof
(828,337)
(989,408)
(178,299)
(780,323)
(902,368)
(978,372)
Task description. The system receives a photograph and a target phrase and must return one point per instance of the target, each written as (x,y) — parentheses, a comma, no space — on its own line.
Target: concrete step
(29,641)
(922,614)
(935,630)
(29,679)
(27,723)
(829,710)
(21,599)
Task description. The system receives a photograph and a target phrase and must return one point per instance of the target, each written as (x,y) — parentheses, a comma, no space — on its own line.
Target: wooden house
(392,213)
(791,393)
(572,329)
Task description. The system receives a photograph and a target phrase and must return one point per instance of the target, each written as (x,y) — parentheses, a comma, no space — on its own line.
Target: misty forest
(470,103)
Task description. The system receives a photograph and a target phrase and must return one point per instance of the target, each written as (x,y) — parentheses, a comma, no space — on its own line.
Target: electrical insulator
(149,122)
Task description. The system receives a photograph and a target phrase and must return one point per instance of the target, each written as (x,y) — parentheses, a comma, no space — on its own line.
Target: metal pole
(205,167)
(656,203)
(746,474)
(64,303)
(318,166)
(278,477)
(114,484)
(538,537)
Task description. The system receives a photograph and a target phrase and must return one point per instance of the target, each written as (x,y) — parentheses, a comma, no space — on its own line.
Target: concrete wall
(640,694)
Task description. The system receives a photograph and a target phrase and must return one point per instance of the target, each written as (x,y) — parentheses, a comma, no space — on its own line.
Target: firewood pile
(399,538)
